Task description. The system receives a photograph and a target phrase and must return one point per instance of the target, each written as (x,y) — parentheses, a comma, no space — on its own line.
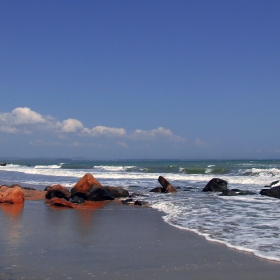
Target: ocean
(246,222)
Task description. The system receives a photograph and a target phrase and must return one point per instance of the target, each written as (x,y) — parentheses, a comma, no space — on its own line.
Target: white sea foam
(118,172)
(113,168)
(243,224)
(54,166)
(208,170)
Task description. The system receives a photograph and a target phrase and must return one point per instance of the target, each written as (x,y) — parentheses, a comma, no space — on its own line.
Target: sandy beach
(113,241)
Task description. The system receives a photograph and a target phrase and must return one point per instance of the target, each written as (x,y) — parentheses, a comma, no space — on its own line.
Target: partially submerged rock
(234,192)
(166,185)
(158,190)
(272,192)
(228,193)
(117,192)
(127,201)
(215,185)
(141,203)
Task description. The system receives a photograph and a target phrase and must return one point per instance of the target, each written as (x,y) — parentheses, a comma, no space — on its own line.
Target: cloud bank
(24,120)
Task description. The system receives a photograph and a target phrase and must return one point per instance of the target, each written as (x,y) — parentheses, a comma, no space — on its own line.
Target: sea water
(245,222)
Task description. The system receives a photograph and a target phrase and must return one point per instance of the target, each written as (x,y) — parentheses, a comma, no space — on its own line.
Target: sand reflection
(80,219)
(12,211)
(13,227)
(85,213)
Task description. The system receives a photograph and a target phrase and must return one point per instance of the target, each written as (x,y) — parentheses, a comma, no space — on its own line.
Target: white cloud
(105,131)
(24,120)
(155,133)
(20,120)
(21,116)
(71,125)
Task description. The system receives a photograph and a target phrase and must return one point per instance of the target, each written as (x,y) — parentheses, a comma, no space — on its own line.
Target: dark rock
(240,192)
(134,195)
(228,193)
(127,201)
(28,189)
(272,192)
(215,185)
(158,190)
(236,192)
(166,185)
(58,191)
(99,194)
(187,189)
(275,183)
(3,164)
(77,200)
(47,188)
(140,203)
(61,202)
(117,192)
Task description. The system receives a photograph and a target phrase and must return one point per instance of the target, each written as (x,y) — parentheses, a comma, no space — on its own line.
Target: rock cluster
(89,189)
(86,189)
(220,185)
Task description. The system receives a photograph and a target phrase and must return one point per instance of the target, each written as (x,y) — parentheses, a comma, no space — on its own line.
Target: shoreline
(114,241)
(231,247)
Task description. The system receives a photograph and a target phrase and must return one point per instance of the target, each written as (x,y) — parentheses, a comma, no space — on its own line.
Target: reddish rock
(61,202)
(166,185)
(15,185)
(13,195)
(58,191)
(83,186)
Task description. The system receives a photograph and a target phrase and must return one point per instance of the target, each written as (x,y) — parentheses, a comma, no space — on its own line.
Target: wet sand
(112,241)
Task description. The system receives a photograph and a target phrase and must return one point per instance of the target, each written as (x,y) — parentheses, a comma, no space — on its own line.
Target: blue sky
(140,79)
